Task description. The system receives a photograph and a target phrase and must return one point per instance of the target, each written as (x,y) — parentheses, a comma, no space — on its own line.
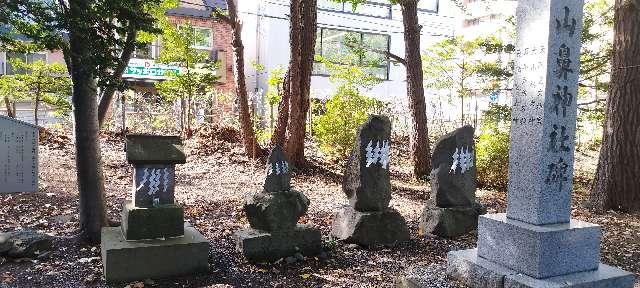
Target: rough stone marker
(153,241)
(273,215)
(18,156)
(452,210)
(368,220)
(536,244)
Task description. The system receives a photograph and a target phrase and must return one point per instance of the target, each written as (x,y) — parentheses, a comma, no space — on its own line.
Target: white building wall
(266,40)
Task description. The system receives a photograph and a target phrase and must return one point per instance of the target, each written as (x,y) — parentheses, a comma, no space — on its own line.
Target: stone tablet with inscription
(18,156)
(544,108)
(366,178)
(536,244)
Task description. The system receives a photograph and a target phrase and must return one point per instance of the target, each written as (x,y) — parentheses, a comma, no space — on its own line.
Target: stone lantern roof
(154,149)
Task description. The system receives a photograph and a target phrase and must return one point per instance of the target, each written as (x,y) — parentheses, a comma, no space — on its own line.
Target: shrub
(492,149)
(336,129)
(492,159)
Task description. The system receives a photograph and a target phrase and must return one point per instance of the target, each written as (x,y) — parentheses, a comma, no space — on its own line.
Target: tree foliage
(466,66)
(197,75)
(41,82)
(97,39)
(347,109)
(108,23)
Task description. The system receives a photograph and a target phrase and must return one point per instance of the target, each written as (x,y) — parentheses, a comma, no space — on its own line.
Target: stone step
(477,272)
(126,261)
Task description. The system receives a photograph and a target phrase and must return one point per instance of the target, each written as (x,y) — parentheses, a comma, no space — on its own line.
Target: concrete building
(214,38)
(143,71)
(485,17)
(377,24)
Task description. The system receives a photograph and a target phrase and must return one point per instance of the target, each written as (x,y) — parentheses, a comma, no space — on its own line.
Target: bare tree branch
(387,54)
(591,102)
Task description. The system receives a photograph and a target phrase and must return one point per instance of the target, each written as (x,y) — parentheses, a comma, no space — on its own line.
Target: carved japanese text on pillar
(562,100)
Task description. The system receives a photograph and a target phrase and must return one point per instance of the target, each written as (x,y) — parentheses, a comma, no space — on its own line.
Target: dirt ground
(212,185)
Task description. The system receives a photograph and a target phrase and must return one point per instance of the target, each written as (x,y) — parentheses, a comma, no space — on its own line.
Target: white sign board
(18,156)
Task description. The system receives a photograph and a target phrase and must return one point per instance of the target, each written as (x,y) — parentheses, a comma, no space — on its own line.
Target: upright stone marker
(536,244)
(273,215)
(153,241)
(18,156)
(452,209)
(368,220)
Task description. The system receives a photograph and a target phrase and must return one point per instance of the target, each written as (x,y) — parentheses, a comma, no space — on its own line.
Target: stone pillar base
(386,227)
(539,251)
(262,246)
(126,261)
(477,272)
(449,222)
(165,221)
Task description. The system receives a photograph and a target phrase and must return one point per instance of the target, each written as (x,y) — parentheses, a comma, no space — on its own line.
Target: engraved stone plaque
(18,156)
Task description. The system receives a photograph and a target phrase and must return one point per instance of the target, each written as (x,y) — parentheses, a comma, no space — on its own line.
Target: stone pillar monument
(536,244)
(369,220)
(153,241)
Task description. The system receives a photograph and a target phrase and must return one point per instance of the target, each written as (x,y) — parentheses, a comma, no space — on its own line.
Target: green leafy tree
(196,77)
(41,82)
(492,149)
(348,108)
(464,66)
(274,90)
(97,38)
(12,90)
(419,140)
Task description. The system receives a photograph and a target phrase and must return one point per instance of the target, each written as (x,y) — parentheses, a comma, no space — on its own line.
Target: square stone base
(477,272)
(539,251)
(449,222)
(165,221)
(386,227)
(125,261)
(262,246)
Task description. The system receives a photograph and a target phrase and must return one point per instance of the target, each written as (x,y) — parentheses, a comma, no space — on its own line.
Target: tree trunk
(10,108)
(123,99)
(85,110)
(419,140)
(280,132)
(251,146)
(303,35)
(35,110)
(107,95)
(618,176)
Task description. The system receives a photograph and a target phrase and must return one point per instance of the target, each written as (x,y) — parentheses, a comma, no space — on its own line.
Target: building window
(28,58)
(330,44)
(203,38)
(429,6)
(369,8)
(145,52)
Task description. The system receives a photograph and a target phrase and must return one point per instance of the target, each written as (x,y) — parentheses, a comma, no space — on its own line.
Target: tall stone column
(536,243)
